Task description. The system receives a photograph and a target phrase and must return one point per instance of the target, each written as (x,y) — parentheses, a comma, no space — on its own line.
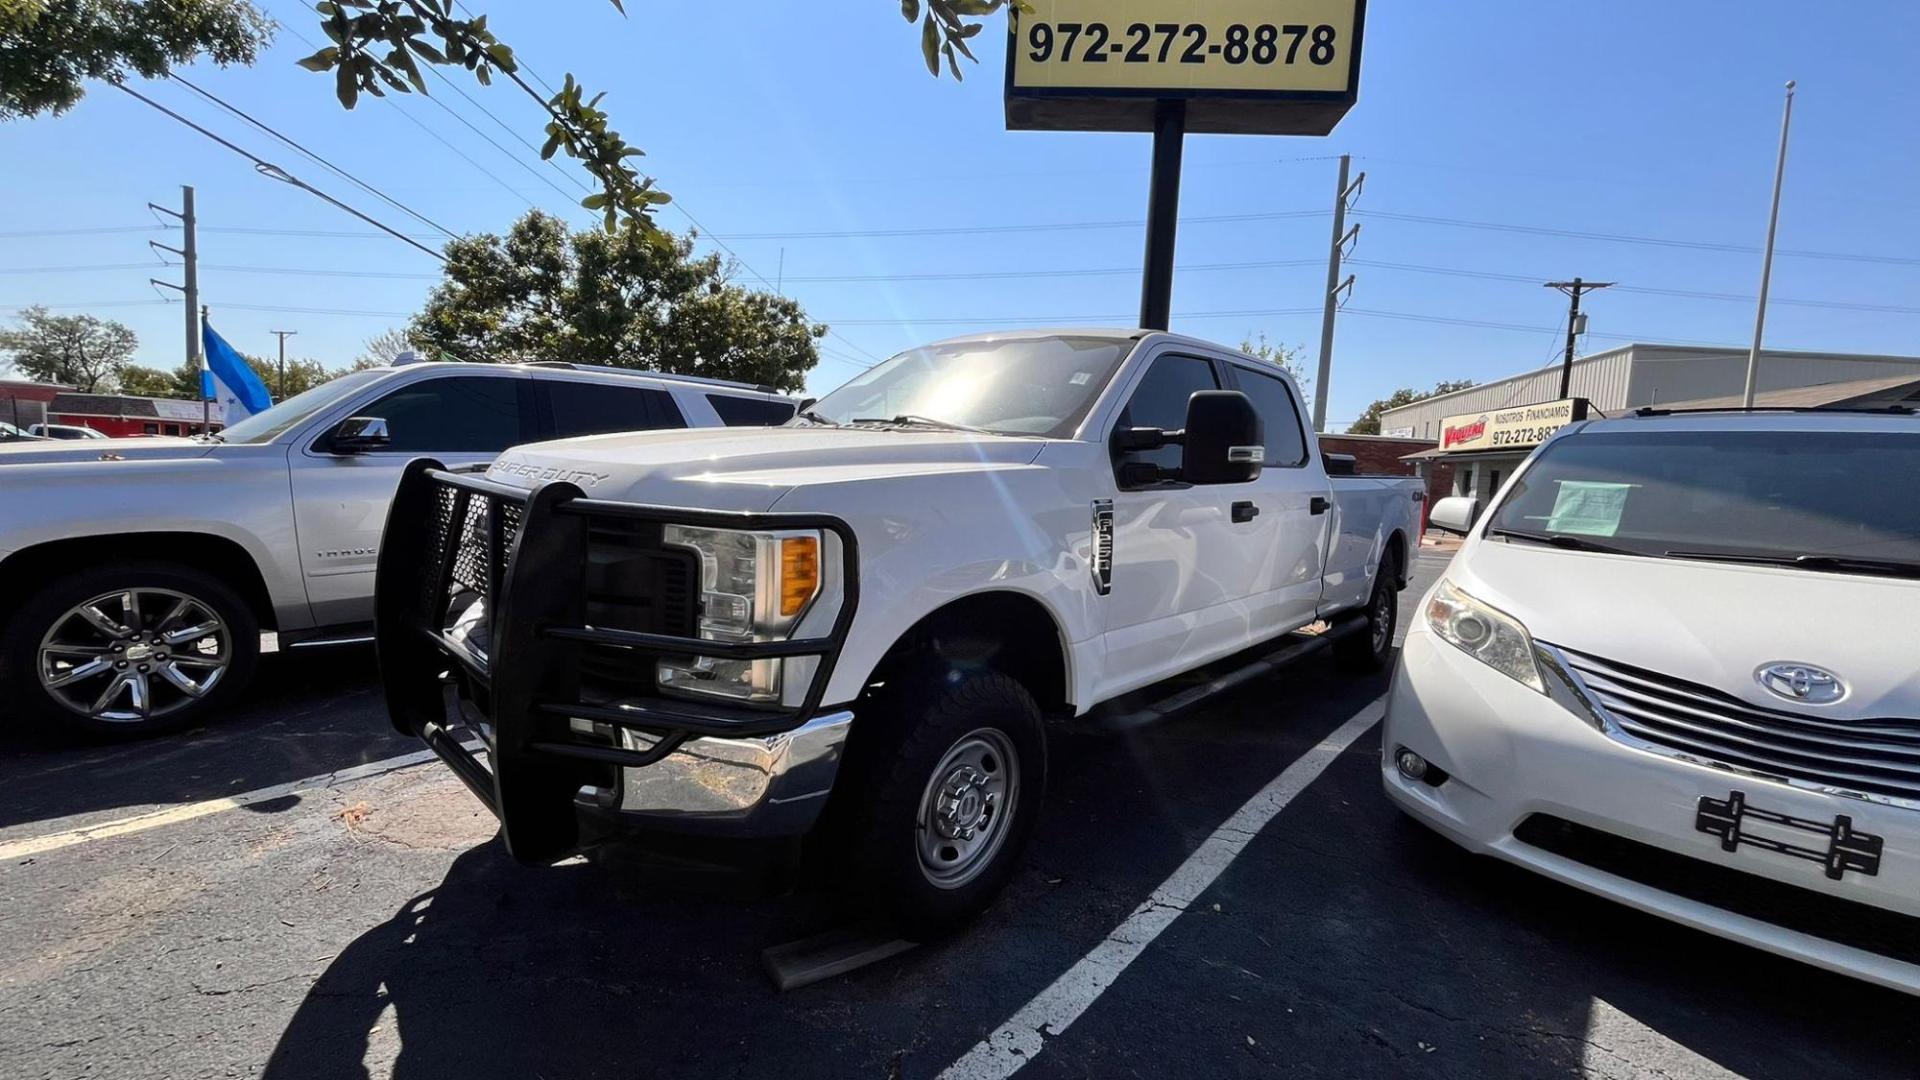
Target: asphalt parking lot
(373,926)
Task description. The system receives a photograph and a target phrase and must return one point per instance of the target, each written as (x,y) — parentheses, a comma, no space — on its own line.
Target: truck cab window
(459,413)
(1161,401)
(581,408)
(1279,417)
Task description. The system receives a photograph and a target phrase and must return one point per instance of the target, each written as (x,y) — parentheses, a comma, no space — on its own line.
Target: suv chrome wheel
(134,655)
(967,808)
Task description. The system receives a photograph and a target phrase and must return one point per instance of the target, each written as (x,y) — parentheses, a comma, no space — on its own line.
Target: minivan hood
(750,468)
(1715,624)
(51,451)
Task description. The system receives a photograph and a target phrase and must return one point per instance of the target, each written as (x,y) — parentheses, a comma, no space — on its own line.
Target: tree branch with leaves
(50,48)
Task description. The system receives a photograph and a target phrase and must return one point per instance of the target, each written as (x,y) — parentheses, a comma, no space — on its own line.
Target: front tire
(942,799)
(128,651)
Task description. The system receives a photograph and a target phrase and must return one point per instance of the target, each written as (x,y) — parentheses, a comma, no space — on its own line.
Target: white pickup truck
(855,625)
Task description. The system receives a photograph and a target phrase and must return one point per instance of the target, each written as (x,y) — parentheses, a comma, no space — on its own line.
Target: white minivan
(1677,663)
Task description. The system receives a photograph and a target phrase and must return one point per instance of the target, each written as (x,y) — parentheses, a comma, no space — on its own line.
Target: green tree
(300,376)
(382,349)
(80,351)
(1284,358)
(148,382)
(634,297)
(49,48)
(1369,422)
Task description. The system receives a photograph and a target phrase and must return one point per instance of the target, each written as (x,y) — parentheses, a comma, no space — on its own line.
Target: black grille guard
(526,682)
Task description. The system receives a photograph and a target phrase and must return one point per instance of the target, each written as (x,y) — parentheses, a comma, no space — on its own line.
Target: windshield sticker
(1081,378)
(1589,508)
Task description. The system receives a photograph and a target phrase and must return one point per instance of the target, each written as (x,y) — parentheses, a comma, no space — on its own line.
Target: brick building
(24,402)
(1380,455)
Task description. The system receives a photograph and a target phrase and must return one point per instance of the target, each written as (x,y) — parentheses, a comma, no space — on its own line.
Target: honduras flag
(229,379)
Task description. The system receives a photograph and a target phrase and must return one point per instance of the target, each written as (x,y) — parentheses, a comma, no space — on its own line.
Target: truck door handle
(1245,511)
(1319,505)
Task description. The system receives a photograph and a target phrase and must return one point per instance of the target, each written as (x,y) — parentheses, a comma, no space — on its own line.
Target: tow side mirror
(1223,439)
(1454,514)
(359,435)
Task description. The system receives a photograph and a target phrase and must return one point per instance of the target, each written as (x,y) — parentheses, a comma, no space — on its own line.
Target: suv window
(584,408)
(750,412)
(462,412)
(1279,417)
(1161,401)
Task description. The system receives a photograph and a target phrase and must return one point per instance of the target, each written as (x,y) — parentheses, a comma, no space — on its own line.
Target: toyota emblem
(1803,683)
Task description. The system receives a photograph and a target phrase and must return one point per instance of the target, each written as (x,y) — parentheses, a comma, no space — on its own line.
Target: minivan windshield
(1818,500)
(1018,386)
(266,426)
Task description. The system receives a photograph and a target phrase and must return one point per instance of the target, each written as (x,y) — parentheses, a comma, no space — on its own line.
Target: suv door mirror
(1454,514)
(1224,443)
(359,435)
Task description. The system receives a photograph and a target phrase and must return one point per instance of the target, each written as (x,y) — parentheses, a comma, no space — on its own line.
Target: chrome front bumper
(761,787)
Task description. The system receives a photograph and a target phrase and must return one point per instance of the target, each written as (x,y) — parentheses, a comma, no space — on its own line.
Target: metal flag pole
(206,396)
(1766,264)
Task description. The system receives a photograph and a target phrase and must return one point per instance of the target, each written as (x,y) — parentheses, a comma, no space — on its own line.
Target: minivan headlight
(754,586)
(1486,633)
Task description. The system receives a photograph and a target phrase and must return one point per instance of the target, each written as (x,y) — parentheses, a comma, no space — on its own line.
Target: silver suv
(136,575)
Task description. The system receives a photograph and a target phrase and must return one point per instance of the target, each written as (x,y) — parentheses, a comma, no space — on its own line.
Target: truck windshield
(1021,386)
(1819,500)
(266,426)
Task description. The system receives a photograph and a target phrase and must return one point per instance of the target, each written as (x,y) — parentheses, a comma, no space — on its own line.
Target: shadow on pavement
(1350,942)
(306,714)
(615,966)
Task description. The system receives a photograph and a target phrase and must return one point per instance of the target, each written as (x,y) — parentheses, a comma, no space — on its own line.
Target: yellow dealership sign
(1507,429)
(1274,67)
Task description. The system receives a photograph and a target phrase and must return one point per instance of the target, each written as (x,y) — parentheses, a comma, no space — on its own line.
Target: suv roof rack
(608,369)
(1874,410)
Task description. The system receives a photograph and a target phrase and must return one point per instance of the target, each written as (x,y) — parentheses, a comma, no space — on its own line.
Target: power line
(269,169)
(490,141)
(1622,238)
(508,128)
(249,118)
(434,135)
(1058,226)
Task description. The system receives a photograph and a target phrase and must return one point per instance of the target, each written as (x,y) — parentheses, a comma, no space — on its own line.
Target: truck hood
(1715,624)
(54,451)
(751,468)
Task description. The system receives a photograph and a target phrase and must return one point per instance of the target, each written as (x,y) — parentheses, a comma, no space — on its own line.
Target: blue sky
(1639,119)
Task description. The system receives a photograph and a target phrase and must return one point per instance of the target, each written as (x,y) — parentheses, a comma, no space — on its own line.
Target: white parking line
(1022,1037)
(39,845)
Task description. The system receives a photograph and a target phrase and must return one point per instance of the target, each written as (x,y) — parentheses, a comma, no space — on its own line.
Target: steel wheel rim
(134,655)
(1382,616)
(967,808)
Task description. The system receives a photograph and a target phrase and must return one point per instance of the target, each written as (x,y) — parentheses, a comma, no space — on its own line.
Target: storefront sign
(1251,67)
(1520,427)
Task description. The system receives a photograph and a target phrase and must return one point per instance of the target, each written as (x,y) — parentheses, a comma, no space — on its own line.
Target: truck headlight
(754,586)
(1487,634)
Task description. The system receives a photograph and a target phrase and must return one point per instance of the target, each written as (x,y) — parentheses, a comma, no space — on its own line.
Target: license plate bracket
(1845,850)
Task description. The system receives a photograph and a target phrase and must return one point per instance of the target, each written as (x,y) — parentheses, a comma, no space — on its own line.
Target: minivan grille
(1873,757)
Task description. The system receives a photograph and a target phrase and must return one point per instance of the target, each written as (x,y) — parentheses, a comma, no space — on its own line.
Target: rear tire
(112,653)
(1367,649)
(944,785)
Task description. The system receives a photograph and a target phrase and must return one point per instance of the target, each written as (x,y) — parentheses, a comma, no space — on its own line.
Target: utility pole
(1575,289)
(1343,194)
(189,253)
(1766,264)
(283,335)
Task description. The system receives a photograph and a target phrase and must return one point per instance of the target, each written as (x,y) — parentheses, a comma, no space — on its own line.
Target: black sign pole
(1163,212)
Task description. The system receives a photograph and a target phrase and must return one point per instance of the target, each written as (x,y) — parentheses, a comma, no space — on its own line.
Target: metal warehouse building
(1676,376)
(1635,375)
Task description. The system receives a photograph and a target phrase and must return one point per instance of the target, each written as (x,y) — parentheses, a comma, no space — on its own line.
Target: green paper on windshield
(1588,508)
